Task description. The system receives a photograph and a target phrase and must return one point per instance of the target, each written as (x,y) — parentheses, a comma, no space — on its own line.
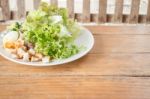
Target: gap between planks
(24,75)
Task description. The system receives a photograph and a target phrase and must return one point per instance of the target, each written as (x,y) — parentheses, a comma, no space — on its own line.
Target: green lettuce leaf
(51,36)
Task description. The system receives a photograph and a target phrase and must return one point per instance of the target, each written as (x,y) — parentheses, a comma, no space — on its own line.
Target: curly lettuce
(51,31)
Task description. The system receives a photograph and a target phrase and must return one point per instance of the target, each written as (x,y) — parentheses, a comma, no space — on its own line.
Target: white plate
(86,39)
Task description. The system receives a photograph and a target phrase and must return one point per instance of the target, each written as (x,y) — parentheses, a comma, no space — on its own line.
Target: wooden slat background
(86,11)
(101,17)
(4,4)
(21,9)
(102,11)
(36,3)
(118,11)
(148,12)
(134,15)
(54,2)
(70,6)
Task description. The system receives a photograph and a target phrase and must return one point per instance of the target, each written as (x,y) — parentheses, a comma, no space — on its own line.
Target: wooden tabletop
(118,67)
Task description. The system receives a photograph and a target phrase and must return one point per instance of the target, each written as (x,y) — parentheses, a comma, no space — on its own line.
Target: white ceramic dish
(86,39)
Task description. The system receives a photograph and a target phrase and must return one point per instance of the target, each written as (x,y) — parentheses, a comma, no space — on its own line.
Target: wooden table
(118,67)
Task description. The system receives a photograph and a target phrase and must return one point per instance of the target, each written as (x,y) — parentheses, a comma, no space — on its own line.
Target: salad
(46,34)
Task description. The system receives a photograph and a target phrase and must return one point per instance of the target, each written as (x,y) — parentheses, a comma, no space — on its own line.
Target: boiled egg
(11,36)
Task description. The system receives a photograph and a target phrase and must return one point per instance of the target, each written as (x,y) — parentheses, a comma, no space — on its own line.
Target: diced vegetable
(46,59)
(26,57)
(31,51)
(34,59)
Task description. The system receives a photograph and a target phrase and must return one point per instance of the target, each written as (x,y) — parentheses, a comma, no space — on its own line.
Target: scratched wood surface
(116,68)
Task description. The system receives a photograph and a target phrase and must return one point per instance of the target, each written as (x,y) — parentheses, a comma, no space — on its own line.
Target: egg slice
(11,36)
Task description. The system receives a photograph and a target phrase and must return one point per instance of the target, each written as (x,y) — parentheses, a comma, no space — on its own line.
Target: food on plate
(46,34)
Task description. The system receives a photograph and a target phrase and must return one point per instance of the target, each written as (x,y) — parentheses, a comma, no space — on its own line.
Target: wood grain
(122,30)
(54,2)
(36,4)
(3,27)
(21,9)
(102,11)
(101,17)
(121,44)
(113,54)
(134,14)
(5,9)
(86,11)
(70,6)
(118,11)
(110,18)
(72,87)
(116,68)
(115,64)
(148,12)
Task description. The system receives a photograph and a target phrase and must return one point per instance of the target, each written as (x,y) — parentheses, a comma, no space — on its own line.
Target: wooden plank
(74,87)
(142,19)
(86,11)
(36,4)
(78,17)
(118,11)
(94,17)
(21,11)
(110,18)
(102,11)
(54,2)
(148,12)
(119,29)
(121,44)
(121,40)
(5,9)
(14,15)
(1,14)
(121,64)
(134,14)
(70,6)
(3,27)
(113,54)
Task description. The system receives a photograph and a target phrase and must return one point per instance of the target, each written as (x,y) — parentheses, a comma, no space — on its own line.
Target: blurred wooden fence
(86,16)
